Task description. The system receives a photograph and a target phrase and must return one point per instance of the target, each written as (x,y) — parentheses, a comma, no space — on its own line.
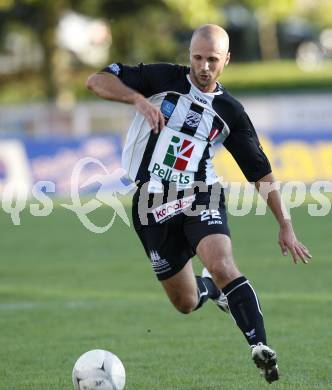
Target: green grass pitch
(64,290)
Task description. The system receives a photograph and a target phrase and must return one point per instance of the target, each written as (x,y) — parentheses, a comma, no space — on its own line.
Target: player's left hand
(289,243)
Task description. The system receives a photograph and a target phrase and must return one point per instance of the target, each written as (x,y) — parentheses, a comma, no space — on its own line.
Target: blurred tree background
(46,50)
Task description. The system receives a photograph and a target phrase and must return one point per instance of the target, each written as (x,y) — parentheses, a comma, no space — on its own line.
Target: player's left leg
(215,252)
(209,236)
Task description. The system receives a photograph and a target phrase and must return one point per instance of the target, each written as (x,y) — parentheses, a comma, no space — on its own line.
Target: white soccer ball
(98,370)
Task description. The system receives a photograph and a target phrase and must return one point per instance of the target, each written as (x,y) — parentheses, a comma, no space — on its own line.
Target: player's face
(207,60)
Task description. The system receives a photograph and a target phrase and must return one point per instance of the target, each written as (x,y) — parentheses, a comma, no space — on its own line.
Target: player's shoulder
(228,98)
(159,68)
(227,106)
(166,70)
(167,67)
(151,79)
(166,77)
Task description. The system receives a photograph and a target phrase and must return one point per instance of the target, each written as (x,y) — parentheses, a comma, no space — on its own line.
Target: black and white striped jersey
(196,124)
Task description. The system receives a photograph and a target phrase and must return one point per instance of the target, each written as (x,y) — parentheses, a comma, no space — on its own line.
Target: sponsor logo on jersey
(167,108)
(200,99)
(193,118)
(167,210)
(178,155)
(169,175)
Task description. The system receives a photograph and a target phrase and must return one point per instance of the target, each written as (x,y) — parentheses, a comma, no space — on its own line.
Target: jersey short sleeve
(246,149)
(147,79)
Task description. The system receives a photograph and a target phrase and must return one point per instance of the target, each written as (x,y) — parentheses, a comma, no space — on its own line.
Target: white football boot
(221,302)
(266,360)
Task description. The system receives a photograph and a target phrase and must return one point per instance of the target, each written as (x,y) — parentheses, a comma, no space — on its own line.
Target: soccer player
(183,114)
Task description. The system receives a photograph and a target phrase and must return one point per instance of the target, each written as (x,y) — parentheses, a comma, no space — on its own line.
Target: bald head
(208,56)
(214,35)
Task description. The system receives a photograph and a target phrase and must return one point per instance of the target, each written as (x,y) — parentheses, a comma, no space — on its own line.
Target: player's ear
(228,57)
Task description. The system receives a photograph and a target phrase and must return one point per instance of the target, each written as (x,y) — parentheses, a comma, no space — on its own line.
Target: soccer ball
(98,370)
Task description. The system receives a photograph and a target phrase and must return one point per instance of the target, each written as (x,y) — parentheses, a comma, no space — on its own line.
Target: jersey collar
(218,90)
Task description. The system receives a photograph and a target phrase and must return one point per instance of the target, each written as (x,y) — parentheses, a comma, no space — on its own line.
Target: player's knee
(224,270)
(219,267)
(185,309)
(185,305)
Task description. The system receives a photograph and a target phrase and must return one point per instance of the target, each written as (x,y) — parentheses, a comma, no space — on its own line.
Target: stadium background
(63,289)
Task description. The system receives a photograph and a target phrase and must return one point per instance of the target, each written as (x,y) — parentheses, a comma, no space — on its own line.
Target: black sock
(245,309)
(206,289)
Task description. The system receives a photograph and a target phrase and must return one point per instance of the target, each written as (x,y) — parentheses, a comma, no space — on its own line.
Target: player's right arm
(108,86)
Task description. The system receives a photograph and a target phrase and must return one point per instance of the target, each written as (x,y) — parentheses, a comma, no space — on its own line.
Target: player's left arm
(247,151)
(287,237)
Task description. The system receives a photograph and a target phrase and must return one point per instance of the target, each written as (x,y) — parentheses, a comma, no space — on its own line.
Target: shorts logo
(193,118)
(168,210)
(178,156)
(159,265)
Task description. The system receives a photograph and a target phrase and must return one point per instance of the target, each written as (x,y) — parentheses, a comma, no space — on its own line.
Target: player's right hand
(152,113)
